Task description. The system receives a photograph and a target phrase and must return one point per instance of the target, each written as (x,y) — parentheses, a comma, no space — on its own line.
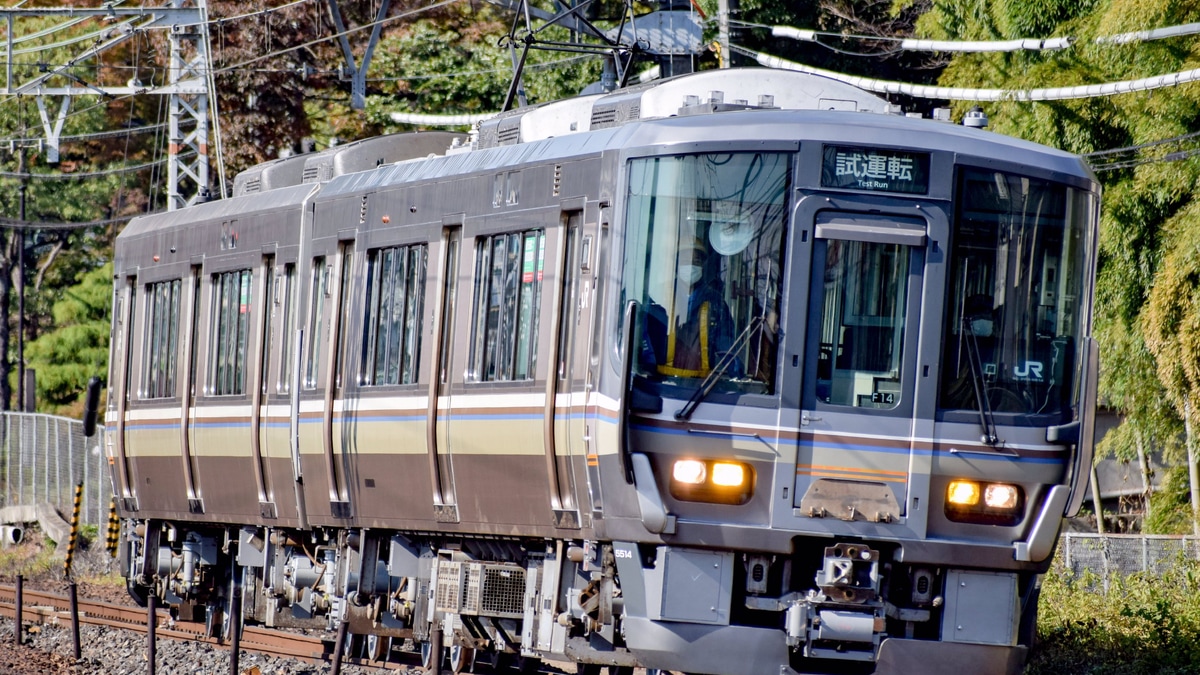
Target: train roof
(852,128)
(235,207)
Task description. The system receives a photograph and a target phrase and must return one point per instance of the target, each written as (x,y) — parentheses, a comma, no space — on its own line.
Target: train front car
(856,382)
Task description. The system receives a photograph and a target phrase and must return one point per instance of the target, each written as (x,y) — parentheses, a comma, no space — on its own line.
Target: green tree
(77,347)
(1146,324)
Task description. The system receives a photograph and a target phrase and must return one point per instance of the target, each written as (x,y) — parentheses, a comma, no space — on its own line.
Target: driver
(699,338)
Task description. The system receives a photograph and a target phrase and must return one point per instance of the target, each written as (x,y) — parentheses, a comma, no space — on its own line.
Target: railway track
(41,607)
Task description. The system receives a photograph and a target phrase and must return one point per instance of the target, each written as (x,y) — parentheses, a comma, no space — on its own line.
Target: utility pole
(723,9)
(20,244)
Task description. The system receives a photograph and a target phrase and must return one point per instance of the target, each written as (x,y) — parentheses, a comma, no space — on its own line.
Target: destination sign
(876,169)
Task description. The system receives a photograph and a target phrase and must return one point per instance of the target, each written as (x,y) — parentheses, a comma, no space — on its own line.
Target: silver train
(730,373)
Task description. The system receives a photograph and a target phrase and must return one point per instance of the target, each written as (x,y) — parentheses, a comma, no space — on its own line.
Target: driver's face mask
(690,273)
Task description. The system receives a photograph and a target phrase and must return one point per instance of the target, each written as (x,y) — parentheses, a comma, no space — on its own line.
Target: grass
(1144,623)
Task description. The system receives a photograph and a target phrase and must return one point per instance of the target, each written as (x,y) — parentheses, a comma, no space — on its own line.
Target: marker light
(727,474)
(689,471)
(963,493)
(711,480)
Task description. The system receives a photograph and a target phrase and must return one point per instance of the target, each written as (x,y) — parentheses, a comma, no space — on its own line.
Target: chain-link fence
(1107,554)
(43,457)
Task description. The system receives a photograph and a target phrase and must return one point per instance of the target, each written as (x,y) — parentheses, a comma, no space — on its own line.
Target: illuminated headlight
(963,493)
(1001,496)
(690,471)
(714,481)
(728,474)
(969,501)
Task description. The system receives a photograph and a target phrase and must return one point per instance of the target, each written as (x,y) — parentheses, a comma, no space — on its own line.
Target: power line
(29,225)
(81,175)
(349,31)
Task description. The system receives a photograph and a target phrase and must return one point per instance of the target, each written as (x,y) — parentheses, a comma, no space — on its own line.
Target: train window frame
(1006,387)
(229,331)
(500,350)
(877,402)
(765,396)
(285,293)
(161,341)
(393,318)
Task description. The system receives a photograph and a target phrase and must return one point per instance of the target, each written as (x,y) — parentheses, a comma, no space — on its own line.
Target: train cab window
(395,291)
(230,330)
(703,260)
(508,291)
(162,336)
(1013,310)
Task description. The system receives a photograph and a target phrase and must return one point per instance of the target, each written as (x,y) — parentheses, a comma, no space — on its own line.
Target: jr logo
(1032,370)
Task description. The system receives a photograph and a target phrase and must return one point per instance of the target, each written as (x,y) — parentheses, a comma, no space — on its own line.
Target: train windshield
(1014,315)
(703,260)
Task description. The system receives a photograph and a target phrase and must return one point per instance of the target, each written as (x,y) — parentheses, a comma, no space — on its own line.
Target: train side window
(320,288)
(162,339)
(230,333)
(449,302)
(268,326)
(395,291)
(508,283)
(285,301)
(339,321)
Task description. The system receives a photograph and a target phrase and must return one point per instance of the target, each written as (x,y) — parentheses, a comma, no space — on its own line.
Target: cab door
(863,398)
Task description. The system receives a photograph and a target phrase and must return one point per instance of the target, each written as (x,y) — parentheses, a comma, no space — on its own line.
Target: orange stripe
(854,474)
(850,469)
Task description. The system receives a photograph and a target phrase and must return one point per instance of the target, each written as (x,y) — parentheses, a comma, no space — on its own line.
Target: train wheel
(432,654)
(462,659)
(426,656)
(378,647)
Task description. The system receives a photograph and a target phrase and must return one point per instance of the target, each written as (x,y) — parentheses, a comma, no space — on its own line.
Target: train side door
(567,395)
(862,404)
(124,301)
(259,372)
(335,428)
(438,415)
(187,433)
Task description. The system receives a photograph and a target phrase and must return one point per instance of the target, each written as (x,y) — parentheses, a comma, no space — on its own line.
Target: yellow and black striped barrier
(74,530)
(113,540)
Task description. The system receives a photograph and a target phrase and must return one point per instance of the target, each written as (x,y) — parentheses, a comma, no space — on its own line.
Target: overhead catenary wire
(972,46)
(977,94)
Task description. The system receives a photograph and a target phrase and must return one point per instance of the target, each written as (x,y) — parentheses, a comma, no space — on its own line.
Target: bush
(1142,623)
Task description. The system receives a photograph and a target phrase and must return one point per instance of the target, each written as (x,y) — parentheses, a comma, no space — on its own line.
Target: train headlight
(728,474)
(998,496)
(969,501)
(713,481)
(963,493)
(690,471)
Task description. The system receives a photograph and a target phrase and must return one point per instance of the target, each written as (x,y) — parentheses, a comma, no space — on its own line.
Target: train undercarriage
(510,603)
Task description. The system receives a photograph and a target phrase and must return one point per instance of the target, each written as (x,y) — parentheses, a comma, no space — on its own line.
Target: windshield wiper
(976,362)
(752,329)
